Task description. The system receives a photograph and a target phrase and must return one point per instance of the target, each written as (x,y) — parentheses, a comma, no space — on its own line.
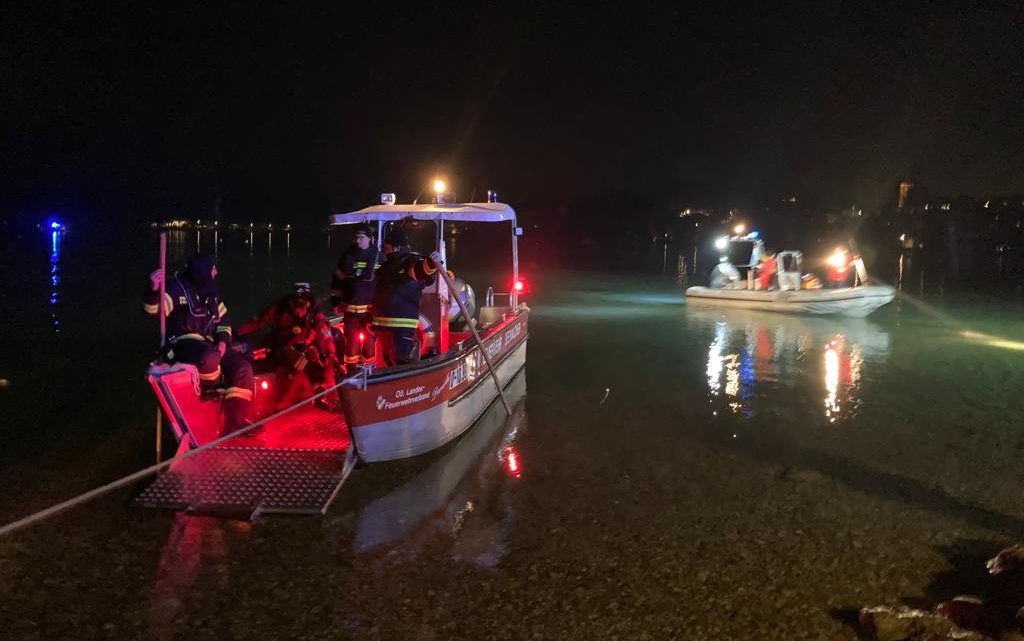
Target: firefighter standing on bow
(396,302)
(352,289)
(199,333)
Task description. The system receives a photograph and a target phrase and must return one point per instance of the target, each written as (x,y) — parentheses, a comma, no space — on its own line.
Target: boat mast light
(439,189)
(388,199)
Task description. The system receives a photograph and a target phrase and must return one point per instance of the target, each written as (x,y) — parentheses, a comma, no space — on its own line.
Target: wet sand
(737,482)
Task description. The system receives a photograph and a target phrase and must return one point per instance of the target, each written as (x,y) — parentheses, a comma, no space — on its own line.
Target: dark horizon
(153,114)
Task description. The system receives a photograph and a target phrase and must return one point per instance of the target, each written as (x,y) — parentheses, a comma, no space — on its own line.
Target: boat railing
(439,360)
(489,298)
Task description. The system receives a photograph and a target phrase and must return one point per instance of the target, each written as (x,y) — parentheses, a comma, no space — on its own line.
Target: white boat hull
(846,301)
(398,416)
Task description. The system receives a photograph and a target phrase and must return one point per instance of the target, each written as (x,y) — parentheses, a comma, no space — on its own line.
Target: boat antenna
(417,198)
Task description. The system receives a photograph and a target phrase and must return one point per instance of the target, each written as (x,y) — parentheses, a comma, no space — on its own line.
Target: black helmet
(199,271)
(397,237)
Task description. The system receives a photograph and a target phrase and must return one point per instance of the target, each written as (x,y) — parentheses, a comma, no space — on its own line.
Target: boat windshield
(741,252)
(422,234)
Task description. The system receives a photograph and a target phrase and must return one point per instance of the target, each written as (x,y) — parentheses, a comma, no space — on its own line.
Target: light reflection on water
(56,238)
(756,361)
(462,503)
(842,374)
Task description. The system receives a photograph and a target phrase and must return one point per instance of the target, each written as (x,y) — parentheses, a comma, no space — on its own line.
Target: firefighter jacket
(354,279)
(189,315)
(400,282)
(285,326)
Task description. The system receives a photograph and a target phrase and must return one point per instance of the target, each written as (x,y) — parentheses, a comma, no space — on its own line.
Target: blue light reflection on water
(56,238)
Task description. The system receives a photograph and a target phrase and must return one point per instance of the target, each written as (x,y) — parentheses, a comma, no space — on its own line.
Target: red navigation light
(519,286)
(362,337)
(264,385)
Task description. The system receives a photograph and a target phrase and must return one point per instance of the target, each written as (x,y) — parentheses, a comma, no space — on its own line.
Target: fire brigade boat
(301,457)
(730,289)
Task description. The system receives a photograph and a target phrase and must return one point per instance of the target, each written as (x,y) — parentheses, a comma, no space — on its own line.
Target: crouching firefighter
(199,333)
(352,289)
(300,344)
(396,302)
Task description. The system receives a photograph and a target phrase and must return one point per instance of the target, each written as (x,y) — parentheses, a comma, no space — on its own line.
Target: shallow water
(669,471)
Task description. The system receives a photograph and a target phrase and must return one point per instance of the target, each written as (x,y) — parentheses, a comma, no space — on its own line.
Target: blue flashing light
(56,225)
(755,234)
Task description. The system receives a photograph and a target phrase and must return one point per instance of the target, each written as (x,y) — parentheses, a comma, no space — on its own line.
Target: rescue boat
(729,288)
(385,413)
(848,301)
(398,412)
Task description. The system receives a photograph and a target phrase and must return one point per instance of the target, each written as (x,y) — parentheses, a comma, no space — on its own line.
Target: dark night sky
(148,112)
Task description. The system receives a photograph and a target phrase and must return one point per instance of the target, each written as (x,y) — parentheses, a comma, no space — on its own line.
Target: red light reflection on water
(512,464)
(194,544)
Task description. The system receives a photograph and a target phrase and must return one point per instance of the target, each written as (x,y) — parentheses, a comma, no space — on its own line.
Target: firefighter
(767,270)
(199,333)
(838,273)
(351,294)
(396,302)
(304,357)
(288,323)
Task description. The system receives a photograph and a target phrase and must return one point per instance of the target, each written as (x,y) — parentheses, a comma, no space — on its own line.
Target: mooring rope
(64,506)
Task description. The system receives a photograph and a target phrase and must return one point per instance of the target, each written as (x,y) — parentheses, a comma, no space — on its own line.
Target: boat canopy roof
(457,212)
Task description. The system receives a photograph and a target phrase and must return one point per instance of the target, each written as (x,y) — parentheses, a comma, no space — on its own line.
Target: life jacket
(284,326)
(768,269)
(192,317)
(287,328)
(837,274)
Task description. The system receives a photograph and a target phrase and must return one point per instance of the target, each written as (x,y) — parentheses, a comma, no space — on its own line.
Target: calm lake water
(668,472)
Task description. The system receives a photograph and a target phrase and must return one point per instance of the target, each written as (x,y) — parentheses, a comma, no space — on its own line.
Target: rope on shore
(357,380)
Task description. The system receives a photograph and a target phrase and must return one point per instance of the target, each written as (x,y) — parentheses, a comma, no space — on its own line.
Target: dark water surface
(669,472)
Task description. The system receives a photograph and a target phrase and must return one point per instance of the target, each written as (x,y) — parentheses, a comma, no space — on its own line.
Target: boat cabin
(428,222)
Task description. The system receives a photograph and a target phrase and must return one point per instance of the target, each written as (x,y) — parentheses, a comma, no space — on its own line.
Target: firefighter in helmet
(199,333)
(299,342)
(396,302)
(352,288)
